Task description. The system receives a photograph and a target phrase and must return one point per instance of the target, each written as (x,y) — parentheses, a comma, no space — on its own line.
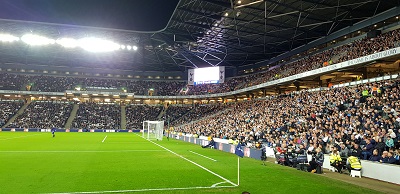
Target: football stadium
(199,96)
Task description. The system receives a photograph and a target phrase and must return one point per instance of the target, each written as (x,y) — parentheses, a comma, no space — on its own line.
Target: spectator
(384,157)
(375,156)
(391,159)
(367,150)
(389,143)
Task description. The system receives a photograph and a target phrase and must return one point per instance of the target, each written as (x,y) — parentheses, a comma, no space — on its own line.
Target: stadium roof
(199,33)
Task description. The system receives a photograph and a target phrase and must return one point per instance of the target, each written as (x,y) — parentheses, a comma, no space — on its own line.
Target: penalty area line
(104,139)
(203,156)
(202,167)
(144,190)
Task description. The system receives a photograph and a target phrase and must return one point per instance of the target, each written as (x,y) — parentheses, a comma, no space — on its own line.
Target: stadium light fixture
(67,42)
(8,38)
(135,48)
(36,40)
(97,45)
(129,47)
(122,46)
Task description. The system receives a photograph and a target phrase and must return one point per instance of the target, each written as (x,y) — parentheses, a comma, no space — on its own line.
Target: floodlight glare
(67,42)
(36,40)
(134,48)
(122,46)
(97,45)
(129,47)
(8,38)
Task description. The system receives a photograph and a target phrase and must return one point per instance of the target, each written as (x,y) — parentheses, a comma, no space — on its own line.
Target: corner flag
(239,151)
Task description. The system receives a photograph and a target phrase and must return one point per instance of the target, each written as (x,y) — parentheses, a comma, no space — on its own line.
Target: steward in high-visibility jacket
(365,93)
(353,163)
(336,161)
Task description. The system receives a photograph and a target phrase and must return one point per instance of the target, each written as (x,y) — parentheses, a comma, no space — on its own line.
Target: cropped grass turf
(81,162)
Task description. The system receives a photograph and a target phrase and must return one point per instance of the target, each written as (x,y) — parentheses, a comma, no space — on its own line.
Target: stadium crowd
(97,116)
(199,111)
(8,109)
(47,83)
(13,81)
(353,120)
(175,112)
(43,115)
(136,114)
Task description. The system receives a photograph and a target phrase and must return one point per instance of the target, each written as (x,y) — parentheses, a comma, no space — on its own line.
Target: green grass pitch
(125,162)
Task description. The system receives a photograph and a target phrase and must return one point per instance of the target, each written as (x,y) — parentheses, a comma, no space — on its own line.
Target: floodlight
(67,42)
(36,40)
(134,48)
(97,45)
(122,46)
(129,47)
(8,38)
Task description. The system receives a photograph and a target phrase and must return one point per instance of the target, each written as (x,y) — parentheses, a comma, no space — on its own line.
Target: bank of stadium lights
(36,40)
(90,44)
(97,45)
(67,42)
(8,38)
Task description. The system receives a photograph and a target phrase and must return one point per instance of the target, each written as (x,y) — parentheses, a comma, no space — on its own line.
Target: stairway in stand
(123,117)
(71,117)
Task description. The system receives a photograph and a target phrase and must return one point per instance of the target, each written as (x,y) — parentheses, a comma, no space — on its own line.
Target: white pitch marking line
(104,139)
(216,184)
(20,137)
(204,168)
(203,156)
(76,151)
(143,190)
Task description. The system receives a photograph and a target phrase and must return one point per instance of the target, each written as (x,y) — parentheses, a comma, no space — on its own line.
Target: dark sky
(139,15)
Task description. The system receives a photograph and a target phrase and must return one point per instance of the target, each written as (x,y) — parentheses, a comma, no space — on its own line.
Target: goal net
(153,130)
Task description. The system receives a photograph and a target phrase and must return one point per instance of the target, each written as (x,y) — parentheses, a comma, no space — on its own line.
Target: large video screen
(206,75)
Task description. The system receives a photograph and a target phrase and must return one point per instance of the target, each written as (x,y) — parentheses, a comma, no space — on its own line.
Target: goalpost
(153,130)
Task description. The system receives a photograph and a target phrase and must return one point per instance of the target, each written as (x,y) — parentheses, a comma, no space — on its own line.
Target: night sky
(138,15)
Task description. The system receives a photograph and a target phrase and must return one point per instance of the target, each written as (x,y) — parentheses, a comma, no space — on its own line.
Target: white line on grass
(203,156)
(216,184)
(104,139)
(143,190)
(75,151)
(21,136)
(204,168)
